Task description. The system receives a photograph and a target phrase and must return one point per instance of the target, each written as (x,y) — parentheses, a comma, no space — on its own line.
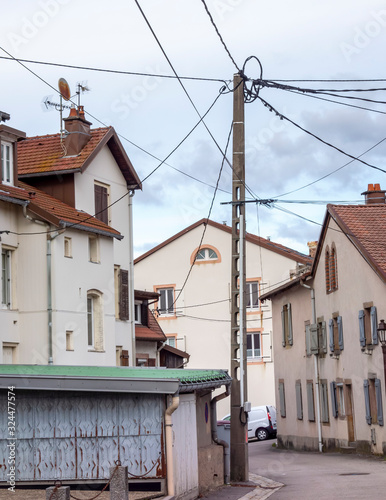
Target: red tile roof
(151,332)
(44,155)
(54,211)
(365,226)
(252,238)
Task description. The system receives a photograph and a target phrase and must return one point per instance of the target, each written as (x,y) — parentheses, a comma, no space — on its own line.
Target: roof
(286,286)
(53,210)
(150,332)
(110,378)
(177,352)
(43,155)
(257,240)
(365,227)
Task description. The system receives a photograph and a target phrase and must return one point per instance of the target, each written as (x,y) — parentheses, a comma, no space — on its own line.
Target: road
(321,476)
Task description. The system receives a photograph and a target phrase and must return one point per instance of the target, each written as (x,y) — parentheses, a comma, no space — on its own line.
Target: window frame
(166,313)
(102,202)
(287,329)
(206,260)
(249,295)
(94,249)
(324,410)
(5,145)
(95,329)
(251,334)
(336,343)
(6,278)
(67,247)
(299,399)
(310,400)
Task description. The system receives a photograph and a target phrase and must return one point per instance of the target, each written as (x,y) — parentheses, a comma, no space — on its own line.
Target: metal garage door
(78,436)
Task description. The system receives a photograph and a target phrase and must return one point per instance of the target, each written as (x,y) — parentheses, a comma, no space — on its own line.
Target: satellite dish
(64,89)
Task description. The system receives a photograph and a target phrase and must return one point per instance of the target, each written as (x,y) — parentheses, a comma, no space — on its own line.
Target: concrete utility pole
(239,428)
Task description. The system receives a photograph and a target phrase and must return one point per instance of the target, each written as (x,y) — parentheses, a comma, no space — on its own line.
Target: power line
(219,35)
(114,71)
(281,116)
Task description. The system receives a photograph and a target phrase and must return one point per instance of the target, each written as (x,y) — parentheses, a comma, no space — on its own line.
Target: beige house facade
(193,281)
(329,363)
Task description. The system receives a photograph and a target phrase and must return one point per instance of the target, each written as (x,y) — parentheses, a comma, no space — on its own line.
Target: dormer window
(6,163)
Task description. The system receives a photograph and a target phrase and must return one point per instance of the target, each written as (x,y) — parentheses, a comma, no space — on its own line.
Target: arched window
(95,337)
(205,254)
(327,269)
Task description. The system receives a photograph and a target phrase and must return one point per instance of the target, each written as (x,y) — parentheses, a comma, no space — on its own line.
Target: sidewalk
(257,488)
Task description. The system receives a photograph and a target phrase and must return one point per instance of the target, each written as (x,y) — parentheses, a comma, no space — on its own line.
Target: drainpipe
(132,361)
(50,237)
(224,444)
(316,368)
(169,443)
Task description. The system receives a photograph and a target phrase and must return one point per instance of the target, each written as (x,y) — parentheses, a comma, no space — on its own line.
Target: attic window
(205,254)
(6,163)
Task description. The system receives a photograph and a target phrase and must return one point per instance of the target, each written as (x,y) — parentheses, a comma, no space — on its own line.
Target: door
(349,413)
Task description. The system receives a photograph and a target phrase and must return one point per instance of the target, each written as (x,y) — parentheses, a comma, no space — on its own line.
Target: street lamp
(382,332)
(382,339)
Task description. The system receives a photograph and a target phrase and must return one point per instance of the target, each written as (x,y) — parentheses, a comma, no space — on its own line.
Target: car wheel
(261,434)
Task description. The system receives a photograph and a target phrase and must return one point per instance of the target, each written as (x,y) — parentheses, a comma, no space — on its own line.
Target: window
(253,345)
(336,335)
(252,295)
(95,320)
(299,400)
(286,318)
(141,312)
(67,247)
(310,401)
(373,401)
(324,401)
(331,268)
(334,400)
(93,249)
(69,340)
(101,195)
(340,399)
(9,353)
(171,340)
(166,301)
(205,254)
(6,289)
(123,294)
(6,163)
(368,334)
(282,398)
(137,311)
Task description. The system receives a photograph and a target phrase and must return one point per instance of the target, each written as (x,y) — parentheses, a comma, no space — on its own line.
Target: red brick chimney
(374,194)
(78,129)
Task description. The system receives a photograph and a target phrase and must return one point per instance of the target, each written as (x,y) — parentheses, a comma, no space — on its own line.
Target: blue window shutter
(340,332)
(334,404)
(374,325)
(331,327)
(362,337)
(282,399)
(283,326)
(378,397)
(367,401)
(290,333)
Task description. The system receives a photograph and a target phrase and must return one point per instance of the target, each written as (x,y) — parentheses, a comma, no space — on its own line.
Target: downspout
(224,444)
(50,237)
(316,369)
(169,443)
(132,361)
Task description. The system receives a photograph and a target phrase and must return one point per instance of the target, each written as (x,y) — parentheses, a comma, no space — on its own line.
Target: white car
(261,422)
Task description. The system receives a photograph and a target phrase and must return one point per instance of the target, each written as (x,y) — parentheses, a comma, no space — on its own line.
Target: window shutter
(378,397)
(362,336)
(314,339)
(125,358)
(324,338)
(299,403)
(367,401)
(101,203)
(374,325)
(310,402)
(308,340)
(144,313)
(170,301)
(151,362)
(340,332)
(282,399)
(334,403)
(283,326)
(331,328)
(124,294)
(290,333)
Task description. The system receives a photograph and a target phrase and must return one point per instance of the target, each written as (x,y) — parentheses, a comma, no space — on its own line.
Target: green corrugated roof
(185,376)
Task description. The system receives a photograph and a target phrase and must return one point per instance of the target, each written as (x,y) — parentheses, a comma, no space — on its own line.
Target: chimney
(78,131)
(312,245)
(374,194)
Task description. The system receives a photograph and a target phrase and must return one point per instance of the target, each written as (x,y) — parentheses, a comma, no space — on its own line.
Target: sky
(298,40)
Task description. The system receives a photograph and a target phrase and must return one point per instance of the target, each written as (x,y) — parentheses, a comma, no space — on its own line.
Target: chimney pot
(374,194)
(78,129)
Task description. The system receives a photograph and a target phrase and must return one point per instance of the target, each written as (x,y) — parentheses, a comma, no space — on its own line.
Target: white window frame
(6,278)
(252,356)
(93,249)
(169,309)
(138,312)
(7,169)
(249,295)
(95,335)
(206,254)
(68,247)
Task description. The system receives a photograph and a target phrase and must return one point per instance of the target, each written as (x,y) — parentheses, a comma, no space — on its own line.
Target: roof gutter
(15,201)
(80,227)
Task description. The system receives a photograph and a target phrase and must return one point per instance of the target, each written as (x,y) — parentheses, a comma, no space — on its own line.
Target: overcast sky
(302,40)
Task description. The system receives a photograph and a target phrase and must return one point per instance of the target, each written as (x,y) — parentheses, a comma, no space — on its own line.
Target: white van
(261,422)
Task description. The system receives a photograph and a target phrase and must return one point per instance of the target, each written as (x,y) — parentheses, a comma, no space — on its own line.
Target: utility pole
(239,426)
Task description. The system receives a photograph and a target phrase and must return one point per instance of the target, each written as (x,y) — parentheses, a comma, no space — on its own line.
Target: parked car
(261,422)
